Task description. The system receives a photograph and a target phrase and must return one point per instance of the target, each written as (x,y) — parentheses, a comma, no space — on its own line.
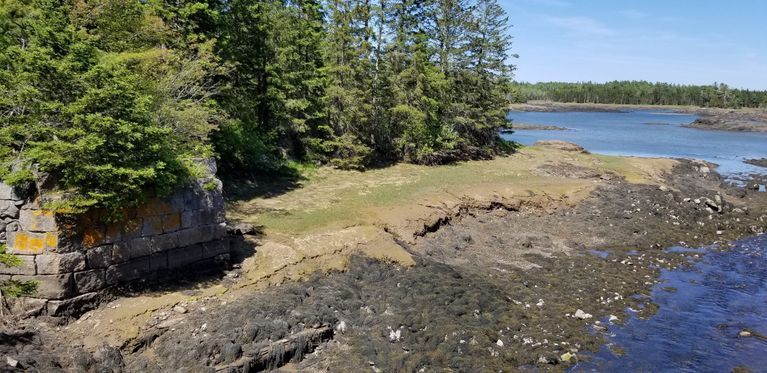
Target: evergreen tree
(486,73)
(349,83)
(114,97)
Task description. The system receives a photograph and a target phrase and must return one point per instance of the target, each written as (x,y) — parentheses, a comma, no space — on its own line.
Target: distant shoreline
(743,120)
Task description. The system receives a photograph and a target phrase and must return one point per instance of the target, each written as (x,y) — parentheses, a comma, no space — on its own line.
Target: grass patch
(332,199)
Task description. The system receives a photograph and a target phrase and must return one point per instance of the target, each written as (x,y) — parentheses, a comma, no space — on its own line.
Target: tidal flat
(485,265)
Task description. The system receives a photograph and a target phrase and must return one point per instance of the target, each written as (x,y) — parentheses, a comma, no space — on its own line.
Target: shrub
(12,288)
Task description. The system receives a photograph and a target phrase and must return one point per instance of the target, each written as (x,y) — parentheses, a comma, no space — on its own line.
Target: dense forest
(112,100)
(640,93)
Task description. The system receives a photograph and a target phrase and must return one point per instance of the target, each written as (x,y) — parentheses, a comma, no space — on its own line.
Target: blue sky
(678,41)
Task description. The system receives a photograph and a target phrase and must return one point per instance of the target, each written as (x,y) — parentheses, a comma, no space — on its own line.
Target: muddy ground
(493,289)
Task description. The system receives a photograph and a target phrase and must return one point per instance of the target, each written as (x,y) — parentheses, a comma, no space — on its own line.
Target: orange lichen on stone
(38,220)
(132,227)
(93,237)
(36,243)
(152,226)
(171,223)
(51,241)
(113,233)
(28,243)
(154,207)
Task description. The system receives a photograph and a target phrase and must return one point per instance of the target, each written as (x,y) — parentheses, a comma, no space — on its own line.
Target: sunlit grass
(331,198)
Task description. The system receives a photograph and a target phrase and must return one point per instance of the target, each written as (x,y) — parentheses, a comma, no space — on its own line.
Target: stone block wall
(72,259)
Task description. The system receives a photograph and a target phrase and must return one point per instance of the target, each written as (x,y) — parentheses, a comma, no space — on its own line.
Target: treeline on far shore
(718,95)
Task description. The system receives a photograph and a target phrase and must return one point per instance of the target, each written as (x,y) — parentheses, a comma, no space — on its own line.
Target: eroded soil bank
(493,281)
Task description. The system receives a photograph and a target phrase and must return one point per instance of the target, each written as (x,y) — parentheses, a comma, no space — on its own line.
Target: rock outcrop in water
(561,145)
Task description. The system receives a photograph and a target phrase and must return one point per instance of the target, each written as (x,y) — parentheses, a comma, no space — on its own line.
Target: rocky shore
(522,281)
(731,120)
(757,162)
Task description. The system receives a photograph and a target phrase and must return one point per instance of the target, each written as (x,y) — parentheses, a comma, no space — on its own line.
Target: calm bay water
(647,134)
(697,327)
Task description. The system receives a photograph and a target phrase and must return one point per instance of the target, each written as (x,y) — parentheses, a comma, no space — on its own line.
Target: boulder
(241,229)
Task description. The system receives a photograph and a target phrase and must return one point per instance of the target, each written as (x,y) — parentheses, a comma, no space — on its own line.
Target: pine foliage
(112,99)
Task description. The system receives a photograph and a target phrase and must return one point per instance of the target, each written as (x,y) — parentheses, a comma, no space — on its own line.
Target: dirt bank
(746,119)
(485,274)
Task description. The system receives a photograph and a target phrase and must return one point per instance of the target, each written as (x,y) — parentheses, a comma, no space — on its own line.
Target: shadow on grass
(265,185)
(247,186)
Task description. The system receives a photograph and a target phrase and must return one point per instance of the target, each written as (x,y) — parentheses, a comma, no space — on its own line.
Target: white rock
(612,318)
(12,362)
(499,343)
(582,315)
(394,335)
(744,333)
(179,309)
(341,327)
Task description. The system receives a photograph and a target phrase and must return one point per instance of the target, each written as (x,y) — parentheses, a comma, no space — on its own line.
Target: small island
(538,127)
(762,162)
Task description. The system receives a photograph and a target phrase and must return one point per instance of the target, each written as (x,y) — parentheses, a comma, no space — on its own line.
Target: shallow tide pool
(712,317)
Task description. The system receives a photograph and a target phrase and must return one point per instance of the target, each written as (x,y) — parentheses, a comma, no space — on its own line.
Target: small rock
(168,323)
(394,335)
(612,318)
(12,362)
(688,199)
(566,357)
(719,232)
(744,333)
(179,309)
(713,205)
(341,327)
(582,315)
(499,343)
(663,188)
(705,170)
